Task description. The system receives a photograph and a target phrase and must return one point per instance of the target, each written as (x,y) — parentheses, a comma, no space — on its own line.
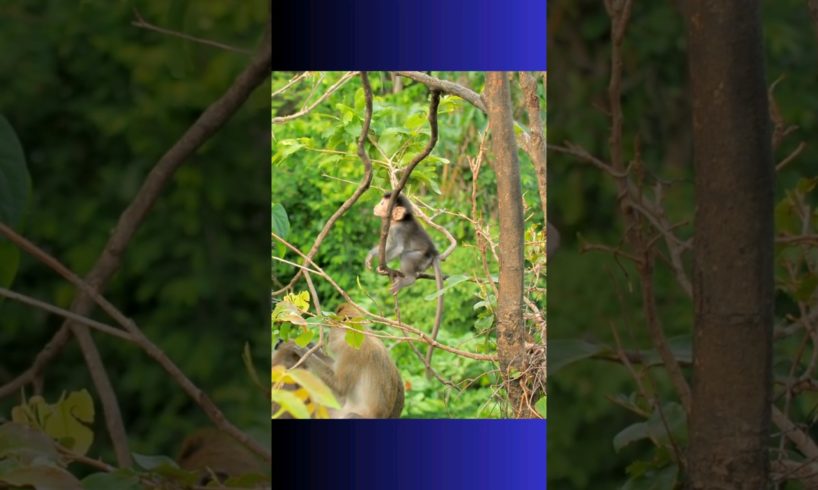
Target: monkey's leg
(411,264)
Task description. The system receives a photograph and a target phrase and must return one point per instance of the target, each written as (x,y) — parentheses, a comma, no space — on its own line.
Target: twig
(802,441)
(340,83)
(447,87)
(141,23)
(797,151)
(28,300)
(79,458)
(536,148)
(442,229)
(289,84)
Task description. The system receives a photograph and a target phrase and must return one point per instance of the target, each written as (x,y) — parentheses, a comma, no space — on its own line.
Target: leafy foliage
(316,167)
(95,102)
(593,288)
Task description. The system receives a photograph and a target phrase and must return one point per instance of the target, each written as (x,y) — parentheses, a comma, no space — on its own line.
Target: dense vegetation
(95,102)
(316,168)
(593,293)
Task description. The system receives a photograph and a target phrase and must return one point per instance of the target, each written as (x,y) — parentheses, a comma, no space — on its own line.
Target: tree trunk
(733,258)
(510,327)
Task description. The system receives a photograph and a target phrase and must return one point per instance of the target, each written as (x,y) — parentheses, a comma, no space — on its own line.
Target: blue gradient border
(403,34)
(410,454)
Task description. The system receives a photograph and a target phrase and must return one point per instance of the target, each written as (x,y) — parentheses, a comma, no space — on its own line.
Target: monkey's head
(401,211)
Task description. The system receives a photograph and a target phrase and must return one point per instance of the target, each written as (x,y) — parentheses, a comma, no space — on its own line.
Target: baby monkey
(409,242)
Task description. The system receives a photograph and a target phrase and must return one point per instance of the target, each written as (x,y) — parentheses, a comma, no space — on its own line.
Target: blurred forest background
(315,168)
(96,101)
(591,293)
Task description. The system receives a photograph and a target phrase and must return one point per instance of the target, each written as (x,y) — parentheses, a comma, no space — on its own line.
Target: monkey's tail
(438,314)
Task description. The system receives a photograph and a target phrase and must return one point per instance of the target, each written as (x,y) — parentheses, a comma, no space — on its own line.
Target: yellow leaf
(302,394)
(321,412)
(319,392)
(300,300)
(66,422)
(289,402)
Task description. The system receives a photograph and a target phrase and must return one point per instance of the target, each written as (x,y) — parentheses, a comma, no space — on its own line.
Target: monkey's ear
(398,213)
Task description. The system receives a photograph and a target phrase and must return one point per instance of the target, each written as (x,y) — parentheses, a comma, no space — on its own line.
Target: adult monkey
(364,379)
(408,241)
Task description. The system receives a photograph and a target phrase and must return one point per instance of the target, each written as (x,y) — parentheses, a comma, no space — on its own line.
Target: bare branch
(42,305)
(446,87)
(334,88)
(142,24)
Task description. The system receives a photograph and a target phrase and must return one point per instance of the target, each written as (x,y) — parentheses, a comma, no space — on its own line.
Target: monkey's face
(380,209)
(398,212)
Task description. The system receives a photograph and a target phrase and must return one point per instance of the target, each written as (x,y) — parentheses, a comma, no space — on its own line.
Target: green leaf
(67,422)
(305,337)
(151,463)
(541,406)
(680,346)
(288,147)
(655,428)
(290,403)
(415,120)
(451,282)
(562,352)
(15,182)
(484,323)
(632,433)
(15,188)
(354,338)
(288,312)
(280,221)
(663,479)
(124,479)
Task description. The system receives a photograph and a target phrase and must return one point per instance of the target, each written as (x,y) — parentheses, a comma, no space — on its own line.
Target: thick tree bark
(733,258)
(510,327)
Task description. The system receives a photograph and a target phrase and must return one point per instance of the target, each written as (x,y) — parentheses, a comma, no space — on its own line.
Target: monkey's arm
(391,252)
(369,256)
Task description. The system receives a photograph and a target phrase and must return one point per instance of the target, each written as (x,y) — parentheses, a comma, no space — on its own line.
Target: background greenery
(316,167)
(589,290)
(95,102)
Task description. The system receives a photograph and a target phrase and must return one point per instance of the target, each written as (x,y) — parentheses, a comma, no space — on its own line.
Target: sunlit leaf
(451,282)
(290,403)
(319,392)
(354,338)
(67,422)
